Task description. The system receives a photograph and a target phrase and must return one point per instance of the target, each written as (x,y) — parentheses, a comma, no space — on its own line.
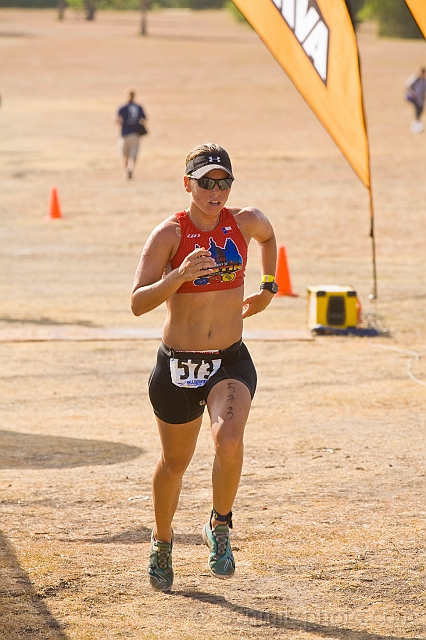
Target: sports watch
(268,282)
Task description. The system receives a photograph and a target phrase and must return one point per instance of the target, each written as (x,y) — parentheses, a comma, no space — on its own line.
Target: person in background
(195,261)
(416,91)
(128,117)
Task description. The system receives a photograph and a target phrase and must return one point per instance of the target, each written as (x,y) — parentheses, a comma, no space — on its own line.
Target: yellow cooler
(332,305)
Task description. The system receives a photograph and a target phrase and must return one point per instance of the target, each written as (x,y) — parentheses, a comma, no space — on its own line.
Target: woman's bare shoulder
(248,218)
(246,213)
(169,224)
(252,222)
(165,232)
(159,248)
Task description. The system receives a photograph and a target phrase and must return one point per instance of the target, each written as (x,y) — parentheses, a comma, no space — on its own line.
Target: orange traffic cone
(54,207)
(283,274)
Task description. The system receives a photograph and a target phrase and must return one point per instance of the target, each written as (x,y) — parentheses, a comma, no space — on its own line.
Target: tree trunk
(61,9)
(90,8)
(145,5)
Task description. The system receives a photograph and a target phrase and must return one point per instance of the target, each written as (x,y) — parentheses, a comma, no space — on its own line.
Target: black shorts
(179,404)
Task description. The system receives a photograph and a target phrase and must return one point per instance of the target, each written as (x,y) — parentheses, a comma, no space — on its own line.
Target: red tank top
(227,246)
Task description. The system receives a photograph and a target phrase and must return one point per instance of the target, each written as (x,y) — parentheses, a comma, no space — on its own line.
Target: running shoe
(417,127)
(160,571)
(221,560)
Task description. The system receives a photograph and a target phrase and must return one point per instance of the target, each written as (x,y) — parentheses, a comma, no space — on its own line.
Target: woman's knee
(229,446)
(175,466)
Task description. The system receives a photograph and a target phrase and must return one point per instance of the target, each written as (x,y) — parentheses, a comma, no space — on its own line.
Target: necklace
(200,228)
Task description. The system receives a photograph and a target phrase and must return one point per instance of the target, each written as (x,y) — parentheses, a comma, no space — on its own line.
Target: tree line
(393,17)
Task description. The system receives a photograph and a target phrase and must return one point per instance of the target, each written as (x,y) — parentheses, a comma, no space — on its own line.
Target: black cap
(202,164)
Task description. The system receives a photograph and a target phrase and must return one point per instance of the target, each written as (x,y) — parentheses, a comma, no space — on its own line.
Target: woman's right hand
(196,264)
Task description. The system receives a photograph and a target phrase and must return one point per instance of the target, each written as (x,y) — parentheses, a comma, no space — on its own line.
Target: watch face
(270,286)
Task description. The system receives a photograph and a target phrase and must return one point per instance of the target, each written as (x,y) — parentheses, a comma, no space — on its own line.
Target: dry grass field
(330,517)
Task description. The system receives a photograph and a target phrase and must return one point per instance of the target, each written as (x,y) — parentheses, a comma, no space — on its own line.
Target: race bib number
(186,373)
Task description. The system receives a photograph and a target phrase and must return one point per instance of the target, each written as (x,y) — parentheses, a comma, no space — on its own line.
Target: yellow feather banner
(315,43)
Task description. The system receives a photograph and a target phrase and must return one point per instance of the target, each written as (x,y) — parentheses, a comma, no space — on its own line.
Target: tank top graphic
(227,246)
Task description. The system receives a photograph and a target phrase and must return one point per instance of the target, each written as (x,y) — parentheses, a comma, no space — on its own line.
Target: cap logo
(217,159)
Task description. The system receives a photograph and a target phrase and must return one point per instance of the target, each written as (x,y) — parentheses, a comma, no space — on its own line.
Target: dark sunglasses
(210,183)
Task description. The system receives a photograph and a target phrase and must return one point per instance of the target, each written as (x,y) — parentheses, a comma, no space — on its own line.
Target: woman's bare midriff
(211,320)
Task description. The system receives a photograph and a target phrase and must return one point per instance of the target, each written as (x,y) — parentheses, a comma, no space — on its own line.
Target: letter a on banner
(418,9)
(315,43)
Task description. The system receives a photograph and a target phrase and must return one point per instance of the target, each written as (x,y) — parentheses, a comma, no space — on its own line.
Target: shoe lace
(163,557)
(222,538)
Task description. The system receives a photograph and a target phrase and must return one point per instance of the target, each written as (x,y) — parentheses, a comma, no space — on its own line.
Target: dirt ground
(330,517)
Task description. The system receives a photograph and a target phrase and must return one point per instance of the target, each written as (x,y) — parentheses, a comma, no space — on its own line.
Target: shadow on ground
(35,451)
(278,621)
(46,321)
(23,614)
(136,536)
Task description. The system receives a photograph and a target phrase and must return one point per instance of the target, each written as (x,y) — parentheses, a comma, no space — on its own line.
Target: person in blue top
(129,116)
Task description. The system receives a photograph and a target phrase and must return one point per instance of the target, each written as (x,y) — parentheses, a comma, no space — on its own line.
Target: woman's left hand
(256,302)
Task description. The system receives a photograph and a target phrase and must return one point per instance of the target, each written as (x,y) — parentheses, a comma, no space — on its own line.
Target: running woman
(195,262)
